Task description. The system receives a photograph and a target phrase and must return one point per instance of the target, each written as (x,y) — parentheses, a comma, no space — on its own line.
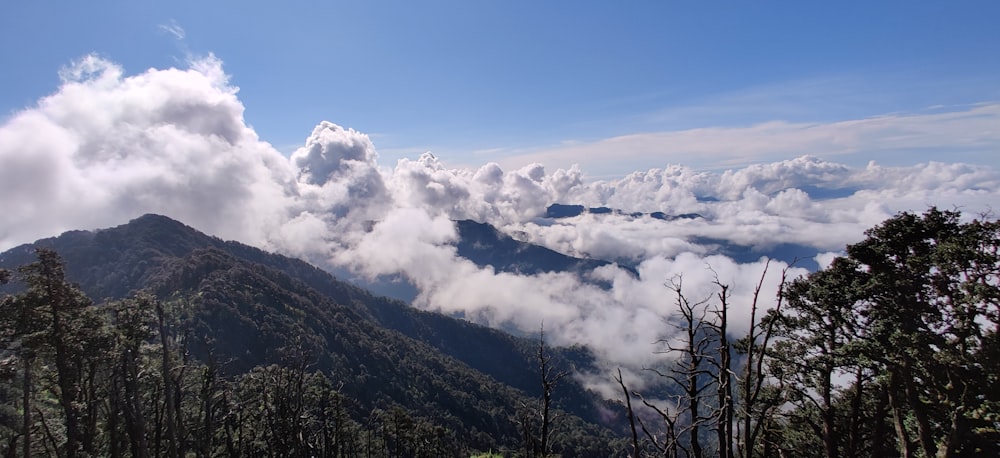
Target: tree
(132,321)
(537,443)
(690,372)
(932,308)
(334,434)
(171,391)
(55,317)
(630,414)
(915,307)
(758,400)
(743,405)
(19,325)
(816,329)
(725,409)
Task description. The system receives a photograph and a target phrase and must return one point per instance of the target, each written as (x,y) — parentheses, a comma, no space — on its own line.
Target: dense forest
(152,340)
(237,310)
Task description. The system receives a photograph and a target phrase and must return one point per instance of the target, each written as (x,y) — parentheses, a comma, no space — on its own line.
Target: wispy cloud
(954,132)
(173,28)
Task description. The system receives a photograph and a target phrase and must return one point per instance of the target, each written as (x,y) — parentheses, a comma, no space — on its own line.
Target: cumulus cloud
(106,147)
(331,149)
(337,173)
(804,201)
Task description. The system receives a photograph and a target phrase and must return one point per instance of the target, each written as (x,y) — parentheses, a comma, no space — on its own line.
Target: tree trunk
(67,381)
(694,401)
(880,446)
(115,406)
(854,422)
(724,426)
(902,437)
(90,400)
(135,422)
(26,401)
(549,381)
(179,402)
(168,388)
(208,389)
(829,416)
(957,394)
(630,415)
(924,433)
(949,448)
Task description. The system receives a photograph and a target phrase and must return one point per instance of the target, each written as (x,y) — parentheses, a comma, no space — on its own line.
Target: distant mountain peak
(557,211)
(486,245)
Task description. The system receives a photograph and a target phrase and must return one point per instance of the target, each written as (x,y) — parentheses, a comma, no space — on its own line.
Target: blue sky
(736,93)
(518,81)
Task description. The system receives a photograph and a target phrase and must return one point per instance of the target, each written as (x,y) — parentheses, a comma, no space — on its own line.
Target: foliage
(200,347)
(897,338)
(912,312)
(226,356)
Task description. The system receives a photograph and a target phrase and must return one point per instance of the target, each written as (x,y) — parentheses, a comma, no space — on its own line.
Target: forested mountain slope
(242,308)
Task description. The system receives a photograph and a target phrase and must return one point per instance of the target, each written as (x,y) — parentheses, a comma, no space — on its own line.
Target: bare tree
(690,372)
(536,435)
(724,373)
(550,377)
(630,414)
(757,404)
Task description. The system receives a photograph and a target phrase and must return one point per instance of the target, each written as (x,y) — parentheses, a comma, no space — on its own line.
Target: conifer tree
(55,318)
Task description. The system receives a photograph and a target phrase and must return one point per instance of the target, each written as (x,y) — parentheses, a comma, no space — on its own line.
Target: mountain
(792,253)
(487,246)
(245,307)
(558,211)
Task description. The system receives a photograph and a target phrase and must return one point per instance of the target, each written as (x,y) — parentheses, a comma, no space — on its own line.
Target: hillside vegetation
(151,339)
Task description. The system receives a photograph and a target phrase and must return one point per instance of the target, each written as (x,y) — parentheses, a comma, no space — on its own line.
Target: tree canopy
(892,349)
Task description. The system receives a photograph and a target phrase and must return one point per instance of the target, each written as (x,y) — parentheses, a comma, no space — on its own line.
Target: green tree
(816,329)
(931,311)
(17,327)
(918,303)
(54,319)
(132,324)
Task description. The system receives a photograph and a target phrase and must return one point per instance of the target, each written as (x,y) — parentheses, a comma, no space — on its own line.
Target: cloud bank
(968,132)
(106,147)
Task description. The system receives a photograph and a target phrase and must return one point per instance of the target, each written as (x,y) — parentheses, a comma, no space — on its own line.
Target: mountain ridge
(247,302)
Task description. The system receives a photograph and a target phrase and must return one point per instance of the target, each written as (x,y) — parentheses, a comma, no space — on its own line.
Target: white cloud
(963,130)
(824,260)
(174,29)
(329,150)
(106,147)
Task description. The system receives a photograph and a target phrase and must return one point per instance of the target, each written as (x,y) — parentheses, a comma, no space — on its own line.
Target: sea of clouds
(107,147)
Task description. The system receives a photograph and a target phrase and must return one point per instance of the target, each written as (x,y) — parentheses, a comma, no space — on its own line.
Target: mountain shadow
(242,306)
(485,245)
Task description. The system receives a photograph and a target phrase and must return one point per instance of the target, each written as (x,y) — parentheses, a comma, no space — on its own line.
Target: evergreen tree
(932,309)
(816,329)
(54,319)
(913,313)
